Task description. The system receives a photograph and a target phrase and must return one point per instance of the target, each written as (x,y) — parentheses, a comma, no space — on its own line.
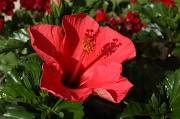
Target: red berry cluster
(7,6)
(39,5)
(133,23)
(126,25)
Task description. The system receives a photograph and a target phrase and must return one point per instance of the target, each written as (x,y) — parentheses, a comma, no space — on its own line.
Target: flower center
(88,42)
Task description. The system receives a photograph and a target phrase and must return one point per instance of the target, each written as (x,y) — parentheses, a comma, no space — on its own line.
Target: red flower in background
(133,1)
(101,15)
(82,58)
(133,22)
(28,4)
(166,2)
(7,6)
(39,5)
(127,25)
(1,22)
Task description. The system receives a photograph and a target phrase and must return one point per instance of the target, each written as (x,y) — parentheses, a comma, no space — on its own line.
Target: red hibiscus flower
(82,58)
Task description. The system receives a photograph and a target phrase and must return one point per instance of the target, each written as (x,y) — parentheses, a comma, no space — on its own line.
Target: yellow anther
(89,41)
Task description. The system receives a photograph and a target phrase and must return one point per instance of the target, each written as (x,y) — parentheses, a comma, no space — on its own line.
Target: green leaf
(13,76)
(137,108)
(9,45)
(33,68)
(153,108)
(21,19)
(17,113)
(18,90)
(176,50)
(154,102)
(71,110)
(7,61)
(14,41)
(172,84)
(155,10)
(20,35)
(26,82)
(58,11)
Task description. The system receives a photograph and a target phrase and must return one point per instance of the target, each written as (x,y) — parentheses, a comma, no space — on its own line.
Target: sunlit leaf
(17,90)
(20,35)
(17,113)
(14,41)
(13,76)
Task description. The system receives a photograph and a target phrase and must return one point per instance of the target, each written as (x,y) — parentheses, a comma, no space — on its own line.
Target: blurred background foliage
(152,25)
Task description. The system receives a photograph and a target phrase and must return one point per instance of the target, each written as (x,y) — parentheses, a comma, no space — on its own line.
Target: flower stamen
(88,42)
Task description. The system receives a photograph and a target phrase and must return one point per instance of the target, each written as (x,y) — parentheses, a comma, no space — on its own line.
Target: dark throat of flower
(88,42)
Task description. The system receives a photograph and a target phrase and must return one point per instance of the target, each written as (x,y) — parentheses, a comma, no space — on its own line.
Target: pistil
(88,43)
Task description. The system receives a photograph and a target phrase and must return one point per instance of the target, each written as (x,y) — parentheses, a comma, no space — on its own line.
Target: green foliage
(7,45)
(14,41)
(149,34)
(176,50)
(70,109)
(135,108)
(20,35)
(153,107)
(7,61)
(163,17)
(33,68)
(21,19)
(17,112)
(172,84)
(56,15)
(19,85)
(162,104)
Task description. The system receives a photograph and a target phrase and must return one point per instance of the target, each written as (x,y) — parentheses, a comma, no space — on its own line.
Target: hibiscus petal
(114,92)
(103,74)
(51,82)
(48,41)
(75,27)
(106,82)
(110,46)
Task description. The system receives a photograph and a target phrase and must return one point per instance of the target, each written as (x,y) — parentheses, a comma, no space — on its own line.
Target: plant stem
(2,78)
(57,103)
